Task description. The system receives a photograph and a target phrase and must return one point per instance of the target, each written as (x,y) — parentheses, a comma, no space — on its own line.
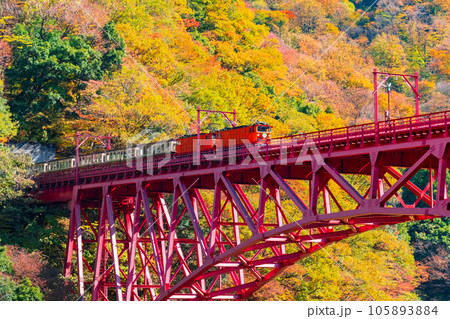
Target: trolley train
(240,135)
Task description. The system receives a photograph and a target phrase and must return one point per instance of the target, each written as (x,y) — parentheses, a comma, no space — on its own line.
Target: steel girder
(223,232)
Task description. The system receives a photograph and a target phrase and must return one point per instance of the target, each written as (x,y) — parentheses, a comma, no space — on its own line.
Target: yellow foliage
(332,29)
(225,90)
(327,121)
(370,266)
(441,60)
(130,103)
(399,105)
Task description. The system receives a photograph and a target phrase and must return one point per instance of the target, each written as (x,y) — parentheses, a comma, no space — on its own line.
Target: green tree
(7,289)
(5,263)
(14,173)
(387,51)
(48,72)
(25,291)
(115,48)
(28,223)
(7,126)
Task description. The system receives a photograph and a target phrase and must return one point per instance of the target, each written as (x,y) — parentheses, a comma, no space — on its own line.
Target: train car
(154,149)
(160,148)
(187,143)
(259,132)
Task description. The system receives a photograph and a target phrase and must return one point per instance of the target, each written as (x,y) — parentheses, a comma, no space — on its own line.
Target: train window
(264,129)
(249,129)
(213,136)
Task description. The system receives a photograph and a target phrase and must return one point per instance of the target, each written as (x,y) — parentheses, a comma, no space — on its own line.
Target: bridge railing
(370,130)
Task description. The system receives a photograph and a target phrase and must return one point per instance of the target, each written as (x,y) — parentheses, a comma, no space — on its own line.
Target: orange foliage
(26,265)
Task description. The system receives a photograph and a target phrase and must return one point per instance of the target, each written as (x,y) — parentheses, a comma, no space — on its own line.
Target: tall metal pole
(198,133)
(389,101)
(416,86)
(375,98)
(77,159)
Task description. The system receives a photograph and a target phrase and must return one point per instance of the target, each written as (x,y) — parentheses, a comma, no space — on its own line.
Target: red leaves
(289,14)
(26,265)
(5,54)
(191,23)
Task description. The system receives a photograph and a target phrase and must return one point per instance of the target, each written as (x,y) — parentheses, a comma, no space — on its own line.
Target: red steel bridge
(221,227)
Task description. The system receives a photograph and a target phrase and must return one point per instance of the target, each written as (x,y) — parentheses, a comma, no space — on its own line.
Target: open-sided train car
(154,149)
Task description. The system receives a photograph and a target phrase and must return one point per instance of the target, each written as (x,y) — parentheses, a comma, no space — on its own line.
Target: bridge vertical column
(215,218)
(113,240)
(326,198)
(262,198)
(326,201)
(376,182)
(237,238)
(133,244)
(100,248)
(75,231)
(171,241)
(79,241)
(276,196)
(160,209)
(441,153)
(314,188)
(201,252)
(142,248)
(70,237)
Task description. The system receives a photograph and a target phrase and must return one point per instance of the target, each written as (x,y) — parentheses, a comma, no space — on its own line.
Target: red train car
(186,143)
(259,132)
(253,133)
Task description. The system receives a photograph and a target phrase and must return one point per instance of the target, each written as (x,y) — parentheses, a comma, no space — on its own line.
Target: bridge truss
(222,229)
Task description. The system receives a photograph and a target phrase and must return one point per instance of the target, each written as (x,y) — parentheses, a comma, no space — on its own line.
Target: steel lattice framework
(225,227)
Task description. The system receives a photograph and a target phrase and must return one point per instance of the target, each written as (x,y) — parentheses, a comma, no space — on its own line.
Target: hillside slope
(121,66)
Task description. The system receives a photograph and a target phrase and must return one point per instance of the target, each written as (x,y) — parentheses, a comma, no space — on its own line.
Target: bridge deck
(350,144)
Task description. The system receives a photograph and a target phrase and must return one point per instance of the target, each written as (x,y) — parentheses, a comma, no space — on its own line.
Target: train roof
(192,135)
(242,126)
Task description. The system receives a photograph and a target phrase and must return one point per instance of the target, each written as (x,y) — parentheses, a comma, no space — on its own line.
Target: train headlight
(264,135)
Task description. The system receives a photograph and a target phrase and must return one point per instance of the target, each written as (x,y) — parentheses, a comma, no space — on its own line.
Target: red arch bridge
(222,226)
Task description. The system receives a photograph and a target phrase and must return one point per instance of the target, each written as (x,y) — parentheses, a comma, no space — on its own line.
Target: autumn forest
(122,66)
